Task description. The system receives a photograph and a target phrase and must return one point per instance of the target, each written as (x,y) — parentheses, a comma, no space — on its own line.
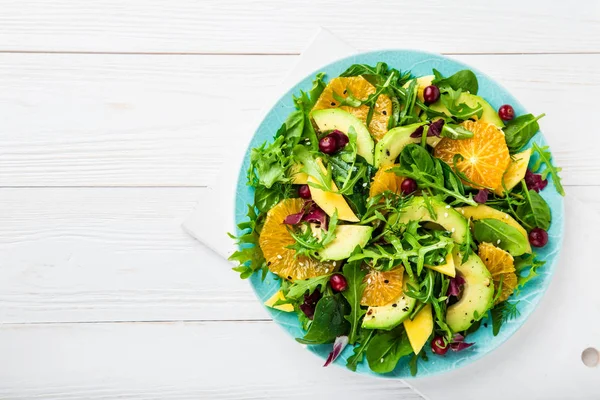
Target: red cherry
(439,345)
(304,192)
(338,282)
(408,186)
(538,237)
(506,112)
(328,144)
(431,94)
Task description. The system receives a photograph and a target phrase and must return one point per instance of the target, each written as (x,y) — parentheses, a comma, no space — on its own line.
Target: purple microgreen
(482,196)
(456,285)
(535,181)
(338,346)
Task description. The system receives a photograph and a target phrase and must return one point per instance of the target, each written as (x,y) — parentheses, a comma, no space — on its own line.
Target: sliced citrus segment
(360,89)
(382,287)
(485,155)
(274,240)
(384,180)
(502,268)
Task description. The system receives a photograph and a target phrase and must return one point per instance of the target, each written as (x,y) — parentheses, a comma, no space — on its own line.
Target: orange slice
(360,88)
(386,180)
(382,287)
(502,268)
(274,240)
(485,155)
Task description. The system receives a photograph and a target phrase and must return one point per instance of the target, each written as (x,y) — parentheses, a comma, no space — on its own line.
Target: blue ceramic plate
(420,64)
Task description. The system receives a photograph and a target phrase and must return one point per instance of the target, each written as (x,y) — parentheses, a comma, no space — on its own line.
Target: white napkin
(541,361)
(213,216)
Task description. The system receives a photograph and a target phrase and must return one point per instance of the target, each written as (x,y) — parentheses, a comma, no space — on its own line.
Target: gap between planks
(165,53)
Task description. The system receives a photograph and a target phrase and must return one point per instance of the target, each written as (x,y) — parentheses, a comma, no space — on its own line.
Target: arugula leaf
(464,80)
(502,313)
(500,234)
(534,212)
(455,132)
(349,100)
(328,322)
(317,88)
(418,164)
(526,267)
(520,130)
(359,351)
(545,158)
(299,288)
(265,198)
(312,168)
(305,103)
(249,256)
(354,276)
(450,99)
(386,349)
(309,244)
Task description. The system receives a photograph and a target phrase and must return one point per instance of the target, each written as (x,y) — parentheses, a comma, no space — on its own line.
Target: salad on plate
(399,213)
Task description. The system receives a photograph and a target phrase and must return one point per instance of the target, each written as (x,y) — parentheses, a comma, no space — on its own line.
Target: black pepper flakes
(332,103)
(387,152)
(384,112)
(394,305)
(386,281)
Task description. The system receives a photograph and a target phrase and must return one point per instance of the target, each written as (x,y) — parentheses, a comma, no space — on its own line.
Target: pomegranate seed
(338,282)
(506,112)
(431,94)
(304,192)
(408,186)
(439,345)
(328,144)
(538,237)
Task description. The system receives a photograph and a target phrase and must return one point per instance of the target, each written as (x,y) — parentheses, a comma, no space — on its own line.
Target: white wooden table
(114,115)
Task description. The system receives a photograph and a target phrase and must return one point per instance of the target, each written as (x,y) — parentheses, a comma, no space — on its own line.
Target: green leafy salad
(400,214)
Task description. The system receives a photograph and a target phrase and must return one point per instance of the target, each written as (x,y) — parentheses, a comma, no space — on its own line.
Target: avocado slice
(450,219)
(477,296)
(390,316)
(331,202)
(347,237)
(334,118)
(390,147)
(490,115)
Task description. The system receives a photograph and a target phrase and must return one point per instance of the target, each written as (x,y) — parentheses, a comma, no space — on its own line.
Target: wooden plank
(98,254)
(117,120)
(285,26)
(174,361)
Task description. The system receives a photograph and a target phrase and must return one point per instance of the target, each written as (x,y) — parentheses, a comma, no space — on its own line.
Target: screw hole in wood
(590,357)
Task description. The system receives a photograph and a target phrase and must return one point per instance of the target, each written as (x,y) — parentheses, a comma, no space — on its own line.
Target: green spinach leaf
(354,276)
(328,322)
(520,130)
(464,80)
(500,234)
(386,349)
(534,212)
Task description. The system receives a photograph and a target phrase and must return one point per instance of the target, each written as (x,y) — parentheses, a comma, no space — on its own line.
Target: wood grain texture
(175,361)
(102,254)
(284,26)
(117,120)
